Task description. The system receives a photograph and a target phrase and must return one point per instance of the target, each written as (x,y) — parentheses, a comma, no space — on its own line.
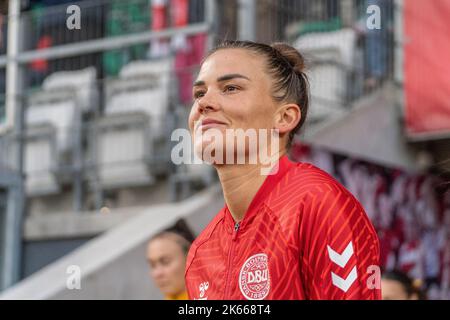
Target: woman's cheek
(191,119)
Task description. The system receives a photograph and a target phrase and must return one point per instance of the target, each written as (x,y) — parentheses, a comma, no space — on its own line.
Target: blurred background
(90,92)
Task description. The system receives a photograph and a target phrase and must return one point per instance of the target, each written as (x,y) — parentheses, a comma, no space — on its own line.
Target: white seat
(336,45)
(140,95)
(330,55)
(83,82)
(52,115)
(327,85)
(49,117)
(57,108)
(123,150)
(40,161)
(161,67)
(134,120)
(142,86)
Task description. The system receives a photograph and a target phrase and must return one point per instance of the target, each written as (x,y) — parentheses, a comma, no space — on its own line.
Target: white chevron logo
(341,259)
(344,284)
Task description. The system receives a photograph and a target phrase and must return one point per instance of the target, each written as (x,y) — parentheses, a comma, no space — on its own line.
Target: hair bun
(291,55)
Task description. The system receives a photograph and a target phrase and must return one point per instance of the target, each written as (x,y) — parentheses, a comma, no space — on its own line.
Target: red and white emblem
(254,278)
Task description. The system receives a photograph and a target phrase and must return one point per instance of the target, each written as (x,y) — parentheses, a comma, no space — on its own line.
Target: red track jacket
(304,236)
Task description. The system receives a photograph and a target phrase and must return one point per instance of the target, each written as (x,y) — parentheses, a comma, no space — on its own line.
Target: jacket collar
(283,165)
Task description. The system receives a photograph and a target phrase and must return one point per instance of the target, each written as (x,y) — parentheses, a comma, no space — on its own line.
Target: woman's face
(394,290)
(167,262)
(234,91)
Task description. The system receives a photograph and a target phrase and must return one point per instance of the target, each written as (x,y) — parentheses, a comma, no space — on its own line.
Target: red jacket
(304,236)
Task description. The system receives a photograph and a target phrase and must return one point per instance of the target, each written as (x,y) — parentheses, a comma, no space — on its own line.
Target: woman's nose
(157,273)
(207,103)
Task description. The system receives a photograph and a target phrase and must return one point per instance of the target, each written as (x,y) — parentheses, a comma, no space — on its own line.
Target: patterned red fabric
(304,236)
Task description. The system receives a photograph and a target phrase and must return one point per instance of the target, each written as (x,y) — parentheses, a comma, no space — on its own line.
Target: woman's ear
(287,117)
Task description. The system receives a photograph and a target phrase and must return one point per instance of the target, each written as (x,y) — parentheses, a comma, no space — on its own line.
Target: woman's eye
(199,94)
(231,88)
(165,261)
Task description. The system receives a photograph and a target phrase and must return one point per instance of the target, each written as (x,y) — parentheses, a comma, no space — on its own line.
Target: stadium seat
(136,116)
(141,86)
(330,56)
(122,151)
(53,115)
(82,81)
(41,161)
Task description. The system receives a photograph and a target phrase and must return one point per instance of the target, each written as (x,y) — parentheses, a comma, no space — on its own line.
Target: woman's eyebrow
(198,83)
(222,78)
(231,76)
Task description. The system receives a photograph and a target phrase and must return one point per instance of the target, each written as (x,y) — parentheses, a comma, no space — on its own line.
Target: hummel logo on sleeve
(341,260)
(202,288)
(344,284)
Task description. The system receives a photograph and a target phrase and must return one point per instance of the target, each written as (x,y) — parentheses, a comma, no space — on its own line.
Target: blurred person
(376,42)
(445,261)
(434,246)
(396,285)
(166,255)
(294,233)
(389,231)
(411,252)
(376,46)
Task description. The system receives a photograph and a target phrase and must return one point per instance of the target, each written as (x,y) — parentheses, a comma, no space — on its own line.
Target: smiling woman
(251,97)
(294,234)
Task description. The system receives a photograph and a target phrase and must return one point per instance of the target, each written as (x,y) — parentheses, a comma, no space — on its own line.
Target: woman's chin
(208,152)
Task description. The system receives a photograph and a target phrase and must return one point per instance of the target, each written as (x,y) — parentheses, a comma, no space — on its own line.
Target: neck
(240,183)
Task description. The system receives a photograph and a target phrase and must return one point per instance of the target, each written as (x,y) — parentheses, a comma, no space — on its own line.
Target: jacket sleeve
(339,248)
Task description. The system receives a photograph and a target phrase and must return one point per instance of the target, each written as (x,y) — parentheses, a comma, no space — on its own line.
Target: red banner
(158,14)
(427,67)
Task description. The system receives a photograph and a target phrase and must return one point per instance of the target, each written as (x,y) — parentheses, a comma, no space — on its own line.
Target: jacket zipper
(230,259)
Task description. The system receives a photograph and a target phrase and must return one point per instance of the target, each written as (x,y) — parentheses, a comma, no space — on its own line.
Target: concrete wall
(113,265)
(38,254)
(371,131)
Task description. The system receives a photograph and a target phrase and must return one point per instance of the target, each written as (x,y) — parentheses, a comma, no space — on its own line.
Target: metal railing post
(16,194)
(247,20)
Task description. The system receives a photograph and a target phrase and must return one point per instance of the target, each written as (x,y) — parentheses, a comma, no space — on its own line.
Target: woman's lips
(205,127)
(209,124)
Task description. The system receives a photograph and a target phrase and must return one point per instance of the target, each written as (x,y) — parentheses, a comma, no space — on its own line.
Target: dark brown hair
(286,67)
(176,237)
(409,285)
